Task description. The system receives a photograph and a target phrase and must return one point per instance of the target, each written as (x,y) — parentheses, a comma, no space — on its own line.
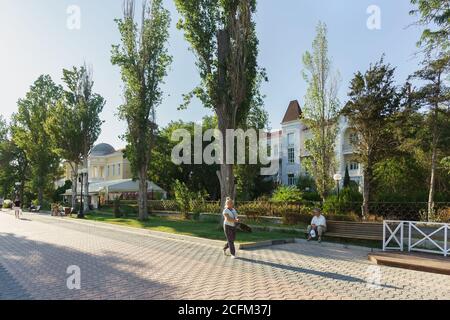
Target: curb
(430,265)
(337,245)
(267,243)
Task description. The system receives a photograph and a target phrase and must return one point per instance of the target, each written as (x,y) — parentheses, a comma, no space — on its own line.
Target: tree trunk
(74,184)
(40,195)
(86,185)
(142,195)
(366,192)
(432,178)
(226,174)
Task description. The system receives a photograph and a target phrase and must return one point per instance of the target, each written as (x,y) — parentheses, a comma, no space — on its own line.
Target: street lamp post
(337,177)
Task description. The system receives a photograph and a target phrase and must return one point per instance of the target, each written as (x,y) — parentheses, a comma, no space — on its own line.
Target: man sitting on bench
(318,225)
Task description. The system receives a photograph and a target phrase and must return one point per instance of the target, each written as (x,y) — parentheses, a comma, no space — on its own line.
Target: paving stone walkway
(123,263)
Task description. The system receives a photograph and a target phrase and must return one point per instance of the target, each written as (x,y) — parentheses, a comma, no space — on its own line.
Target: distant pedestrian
(229,226)
(17,208)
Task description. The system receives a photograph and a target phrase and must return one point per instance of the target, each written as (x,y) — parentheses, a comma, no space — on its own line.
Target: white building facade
(288,146)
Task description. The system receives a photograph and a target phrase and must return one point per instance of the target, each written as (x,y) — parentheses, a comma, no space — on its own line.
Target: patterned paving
(124,263)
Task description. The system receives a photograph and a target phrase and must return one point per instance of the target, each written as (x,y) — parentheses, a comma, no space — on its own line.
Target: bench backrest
(360,229)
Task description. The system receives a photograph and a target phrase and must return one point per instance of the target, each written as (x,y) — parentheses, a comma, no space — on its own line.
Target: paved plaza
(123,263)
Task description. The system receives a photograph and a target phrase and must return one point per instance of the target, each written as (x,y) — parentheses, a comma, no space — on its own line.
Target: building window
(353,138)
(291,155)
(107,171)
(118,169)
(290,139)
(291,179)
(114,170)
(269,149)
(354,166)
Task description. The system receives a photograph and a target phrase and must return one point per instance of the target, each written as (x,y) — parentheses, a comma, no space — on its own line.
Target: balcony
(347,149)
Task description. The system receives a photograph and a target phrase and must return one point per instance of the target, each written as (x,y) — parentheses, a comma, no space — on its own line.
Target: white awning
(118,186)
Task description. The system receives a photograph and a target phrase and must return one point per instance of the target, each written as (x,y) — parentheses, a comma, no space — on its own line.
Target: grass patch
(177,225)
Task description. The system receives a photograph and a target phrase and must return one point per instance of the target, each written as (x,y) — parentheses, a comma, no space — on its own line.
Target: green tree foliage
(86,106)
(28,133)
(373,100)
(222,35)
(197,177)
(347,180)
(399,178)
(434,98)
(435,16)
(57,195)
(13,164)
(143,61)
(320,112)
(250,184)
(74,123)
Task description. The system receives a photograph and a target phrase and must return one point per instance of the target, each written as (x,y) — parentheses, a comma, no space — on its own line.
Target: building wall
(290,151)
(343,151)
(104,168)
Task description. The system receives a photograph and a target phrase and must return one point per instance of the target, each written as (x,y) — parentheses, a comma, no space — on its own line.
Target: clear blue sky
(35,40)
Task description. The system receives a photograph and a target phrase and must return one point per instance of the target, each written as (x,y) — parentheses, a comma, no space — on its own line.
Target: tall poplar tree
(222,35)
(320,112)
(143,61)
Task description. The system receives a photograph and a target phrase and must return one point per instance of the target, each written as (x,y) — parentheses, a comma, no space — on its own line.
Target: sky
(35,39)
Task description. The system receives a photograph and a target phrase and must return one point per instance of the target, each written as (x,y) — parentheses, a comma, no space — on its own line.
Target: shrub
(292,215)
(197,204)
(182,197)
(287,194)
(349,202)
(437,215)
(255,209)
(7,204)
(312,196)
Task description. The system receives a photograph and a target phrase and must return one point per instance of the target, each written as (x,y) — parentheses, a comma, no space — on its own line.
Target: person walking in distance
(17,208)
(229,226)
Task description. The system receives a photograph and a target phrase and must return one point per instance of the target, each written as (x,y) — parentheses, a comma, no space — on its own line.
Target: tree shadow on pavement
(41,269)
(329,275)
(321,251)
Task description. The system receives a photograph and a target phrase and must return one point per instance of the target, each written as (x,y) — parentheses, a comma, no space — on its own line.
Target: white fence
(418,233)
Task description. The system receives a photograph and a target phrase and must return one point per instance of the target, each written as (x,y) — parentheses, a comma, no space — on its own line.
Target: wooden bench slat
(355,230)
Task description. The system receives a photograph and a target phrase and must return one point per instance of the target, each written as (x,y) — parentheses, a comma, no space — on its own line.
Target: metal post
(445,240)
(338,190)
(401,235)
(384,235)
(409,236)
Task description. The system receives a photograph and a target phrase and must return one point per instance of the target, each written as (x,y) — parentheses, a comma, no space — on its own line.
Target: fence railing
(430,237)
(404,211)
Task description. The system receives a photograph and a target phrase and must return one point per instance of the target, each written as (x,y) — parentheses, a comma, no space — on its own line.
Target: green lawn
(175,224)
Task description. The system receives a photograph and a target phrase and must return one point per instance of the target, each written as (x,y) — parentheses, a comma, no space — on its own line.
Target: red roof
(293,112)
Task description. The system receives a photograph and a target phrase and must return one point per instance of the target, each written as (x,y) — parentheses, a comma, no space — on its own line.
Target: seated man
(318,225)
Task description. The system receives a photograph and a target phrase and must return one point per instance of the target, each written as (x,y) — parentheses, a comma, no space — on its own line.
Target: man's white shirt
(319,221)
